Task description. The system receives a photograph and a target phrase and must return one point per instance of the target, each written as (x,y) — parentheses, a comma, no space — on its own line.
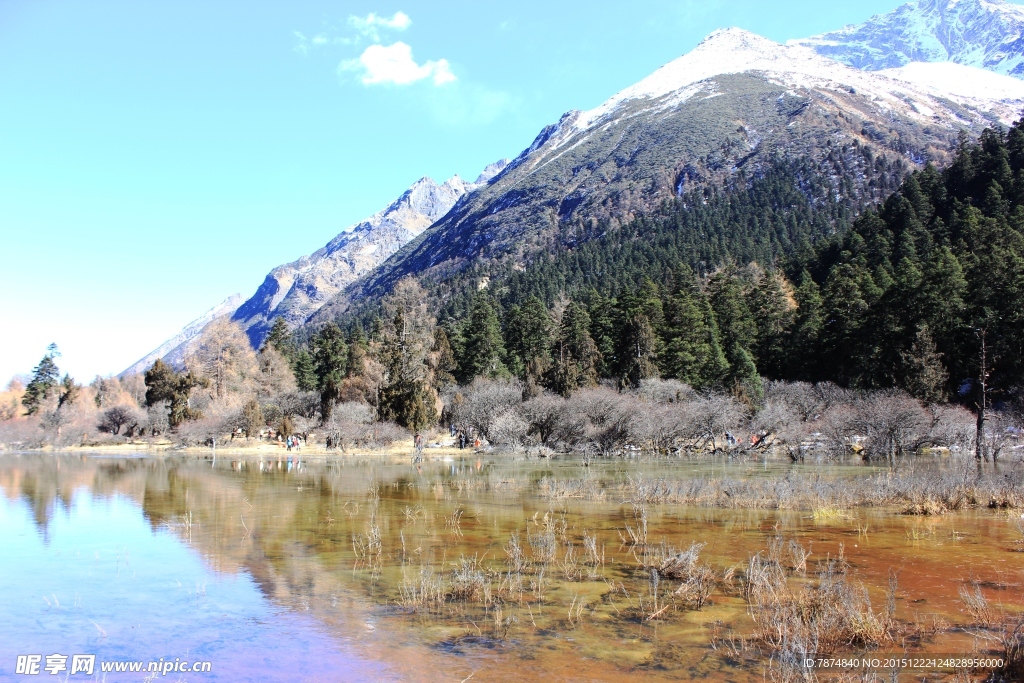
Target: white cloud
(371,25)
(383,64)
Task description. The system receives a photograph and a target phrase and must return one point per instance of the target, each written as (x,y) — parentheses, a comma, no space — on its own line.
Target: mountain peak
(294,291)
(982,33)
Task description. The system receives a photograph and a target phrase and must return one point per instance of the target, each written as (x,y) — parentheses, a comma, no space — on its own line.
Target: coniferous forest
(771,279)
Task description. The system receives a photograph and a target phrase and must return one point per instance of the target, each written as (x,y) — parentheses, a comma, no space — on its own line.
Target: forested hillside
(770,277)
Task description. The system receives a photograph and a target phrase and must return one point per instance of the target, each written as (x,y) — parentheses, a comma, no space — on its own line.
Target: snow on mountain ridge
(734,50)
(294,291)
(986,34)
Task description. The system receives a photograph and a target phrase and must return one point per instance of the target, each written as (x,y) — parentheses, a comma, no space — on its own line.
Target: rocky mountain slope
(294,291)
(726,111)
(988,34)
(174,349)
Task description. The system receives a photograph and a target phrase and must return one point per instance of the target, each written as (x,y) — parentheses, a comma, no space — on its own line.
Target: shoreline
(403,449)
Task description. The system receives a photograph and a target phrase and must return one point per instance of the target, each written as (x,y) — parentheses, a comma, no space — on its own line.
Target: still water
(365,569)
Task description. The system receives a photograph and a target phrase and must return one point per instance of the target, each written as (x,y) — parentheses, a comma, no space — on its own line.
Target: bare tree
(483,403)
(891,422)
(552,422)
(224,357)
(116,417)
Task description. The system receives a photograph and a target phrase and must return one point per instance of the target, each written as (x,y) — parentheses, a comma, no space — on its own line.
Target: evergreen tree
(638,351)
(405,350)
(164,384)
(736,325)
(444,364)
(692,352)
(329,354)
(280,338)
(528,337)
(484,347)
(805,332)
(769,303)
(44,381)
(576,356)
(924,375)
(69,392)
(305,371)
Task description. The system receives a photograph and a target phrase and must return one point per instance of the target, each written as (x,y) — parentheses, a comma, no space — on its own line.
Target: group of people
(464,437)
(292,442)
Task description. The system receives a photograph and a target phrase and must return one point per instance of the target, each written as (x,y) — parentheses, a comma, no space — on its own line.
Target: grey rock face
(295,291)
(981,33)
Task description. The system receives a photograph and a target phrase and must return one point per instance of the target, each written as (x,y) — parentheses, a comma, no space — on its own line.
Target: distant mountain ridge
(987,34)
(913,79)
(295,291)
(174,350)
(733,105)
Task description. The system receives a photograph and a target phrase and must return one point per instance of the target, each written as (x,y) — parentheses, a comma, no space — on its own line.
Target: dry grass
(796,617)
(908,490)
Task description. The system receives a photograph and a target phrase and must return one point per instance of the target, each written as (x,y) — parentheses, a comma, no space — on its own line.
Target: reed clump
(910,490)
(795,616)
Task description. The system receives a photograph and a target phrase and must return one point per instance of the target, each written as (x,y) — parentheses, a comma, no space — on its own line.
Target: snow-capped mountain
(736,103)
(988,34)
(294,291)
(173,350)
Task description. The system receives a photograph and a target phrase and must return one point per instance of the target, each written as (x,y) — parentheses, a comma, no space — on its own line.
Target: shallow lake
(481,568)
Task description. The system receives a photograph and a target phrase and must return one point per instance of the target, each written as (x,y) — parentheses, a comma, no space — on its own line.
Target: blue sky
(157,157)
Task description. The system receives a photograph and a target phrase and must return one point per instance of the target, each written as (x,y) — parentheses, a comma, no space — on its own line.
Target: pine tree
(407,395)
(639,351)
(692,350)
(44,381)
(576,356)
(924,375)
(484,346)
(528,337)
(444,365)
(164,384)
(802,360)
(280,338)
(305,371)
(736,325)
(329,354)
(770,305)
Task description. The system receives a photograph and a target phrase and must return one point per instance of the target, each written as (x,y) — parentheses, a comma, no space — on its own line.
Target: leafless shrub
(349,424)
(977,606)
(893,423)
(469,582)
(665,391)
(21,433)
(116,417)
(157,420)
(822,616)
(608,415)
(802,399)
(300,403)
(837,428)
(714,417)
(508,429)
(426,591)
(554,489)
(953,427)
(552,421)
(484,405)
(778,420)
